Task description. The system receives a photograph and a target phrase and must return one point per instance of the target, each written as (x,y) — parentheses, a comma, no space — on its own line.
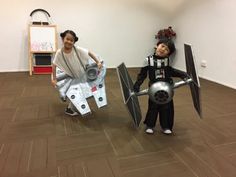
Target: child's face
(68,41)
(162,50)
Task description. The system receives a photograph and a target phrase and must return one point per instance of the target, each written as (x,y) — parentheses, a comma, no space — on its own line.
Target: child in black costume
(158,69)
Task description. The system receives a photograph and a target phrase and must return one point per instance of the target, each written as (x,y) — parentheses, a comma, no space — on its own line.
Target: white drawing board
(42,38)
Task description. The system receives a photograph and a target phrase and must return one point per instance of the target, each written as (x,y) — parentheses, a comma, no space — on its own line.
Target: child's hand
(186,78)
(54,82)
(136,88)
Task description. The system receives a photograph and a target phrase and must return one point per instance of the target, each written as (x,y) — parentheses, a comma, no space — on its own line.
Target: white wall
(210,27)
(123,30)
(117,30)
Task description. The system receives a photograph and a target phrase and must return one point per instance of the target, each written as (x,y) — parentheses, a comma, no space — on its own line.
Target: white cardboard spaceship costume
(78,92)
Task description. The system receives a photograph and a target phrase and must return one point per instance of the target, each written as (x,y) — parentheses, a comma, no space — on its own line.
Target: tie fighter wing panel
(125,81)
(195,85)
(134,110)
(195,92)
(130,100)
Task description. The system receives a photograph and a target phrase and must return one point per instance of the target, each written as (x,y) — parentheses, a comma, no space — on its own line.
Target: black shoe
(71,112)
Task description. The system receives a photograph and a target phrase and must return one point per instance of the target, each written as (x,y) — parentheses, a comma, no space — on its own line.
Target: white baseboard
(221,83)
(113,67)
(13,70)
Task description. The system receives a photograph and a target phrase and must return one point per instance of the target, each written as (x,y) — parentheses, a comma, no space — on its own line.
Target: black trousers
(166,115)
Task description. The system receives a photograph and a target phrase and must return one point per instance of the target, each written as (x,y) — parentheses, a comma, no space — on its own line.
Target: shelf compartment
(42,70)
(43,59)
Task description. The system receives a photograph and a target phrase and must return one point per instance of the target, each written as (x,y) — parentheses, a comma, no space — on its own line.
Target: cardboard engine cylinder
(161,92)
(92,72)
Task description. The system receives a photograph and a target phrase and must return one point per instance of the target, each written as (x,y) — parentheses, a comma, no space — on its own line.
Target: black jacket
(157,69)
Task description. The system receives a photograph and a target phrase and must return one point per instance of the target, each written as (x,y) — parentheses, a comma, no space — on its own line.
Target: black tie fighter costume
(161,85)
(158,69)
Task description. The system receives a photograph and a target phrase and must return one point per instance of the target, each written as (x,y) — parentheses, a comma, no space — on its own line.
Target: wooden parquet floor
(38,140)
